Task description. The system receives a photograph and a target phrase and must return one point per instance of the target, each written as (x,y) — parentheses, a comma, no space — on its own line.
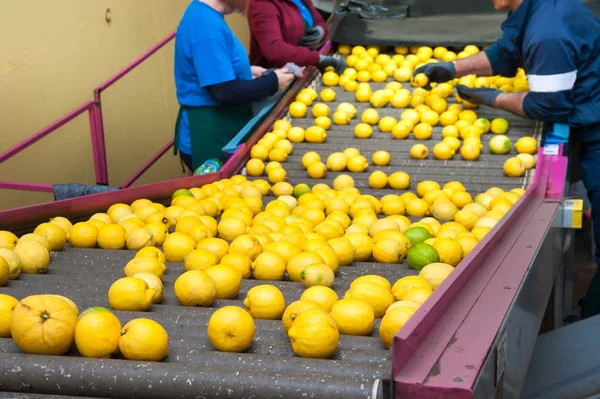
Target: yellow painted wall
(53,55)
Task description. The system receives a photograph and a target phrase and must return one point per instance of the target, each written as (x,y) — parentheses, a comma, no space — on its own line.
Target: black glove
(478,96)
(338,65)
(312,37)
(438,72)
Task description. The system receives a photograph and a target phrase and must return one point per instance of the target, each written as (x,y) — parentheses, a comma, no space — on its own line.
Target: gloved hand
(294,69)
(312,37)
(438,72)
(338,65)
(478,96)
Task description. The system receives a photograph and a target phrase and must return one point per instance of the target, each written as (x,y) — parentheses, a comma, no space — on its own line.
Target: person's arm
(215,73)
(511,102)
(241,91)
(264,25)
(551,80)
(500,59)
(477,64)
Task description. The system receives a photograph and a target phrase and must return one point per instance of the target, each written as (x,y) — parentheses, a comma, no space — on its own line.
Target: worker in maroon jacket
(285,31)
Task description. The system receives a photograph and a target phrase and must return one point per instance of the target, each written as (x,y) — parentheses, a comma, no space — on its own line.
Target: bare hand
(257,71)
(284,77)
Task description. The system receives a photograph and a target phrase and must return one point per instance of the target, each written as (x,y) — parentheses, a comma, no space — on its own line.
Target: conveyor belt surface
(269,369)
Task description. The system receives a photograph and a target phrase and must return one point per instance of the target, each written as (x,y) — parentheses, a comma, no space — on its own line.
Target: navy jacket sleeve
(504,57)
(241,91)
(551,73)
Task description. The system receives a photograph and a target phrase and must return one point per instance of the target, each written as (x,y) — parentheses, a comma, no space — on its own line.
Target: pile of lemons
(423,109)
(51,325)
(223,232)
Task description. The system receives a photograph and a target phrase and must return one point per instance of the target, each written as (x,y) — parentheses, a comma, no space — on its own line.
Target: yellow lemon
(393,321)
(467,242)
(375,295)
(528,160)
(55,235)
(83,235)
(315,135)
(130,294)
(144,265)
(419,151)
(381,158)
(322,295)
(151,252)
(357,164)
(514,167)
(112,236)
(33,256)
(422,131)
(195,288)
(265,302)
(378,180)
(435,273)
(443,151)
(269,266)
(499,126)
(387,123)
(370,116)
(320,109)
(330,78)
(139,238)
(231,329)
(353,317)
(314,334)
(295,309)
(144,339)
(337,161)
(177,246)
(97,334)
(43,325)
(327,95)
(467,218)
(363,131)
(7,306)
(200,259)
(227,280)
(408,283)
(317,274)
(526,145)
(449,251)
(297,109)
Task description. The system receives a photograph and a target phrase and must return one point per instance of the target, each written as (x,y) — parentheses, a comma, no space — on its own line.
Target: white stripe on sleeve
(552,83)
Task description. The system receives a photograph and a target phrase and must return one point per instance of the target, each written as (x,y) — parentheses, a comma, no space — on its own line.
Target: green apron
(211,128)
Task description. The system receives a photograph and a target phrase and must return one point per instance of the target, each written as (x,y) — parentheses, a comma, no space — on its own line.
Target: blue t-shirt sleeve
(212,61)
(504,58)
(551,73)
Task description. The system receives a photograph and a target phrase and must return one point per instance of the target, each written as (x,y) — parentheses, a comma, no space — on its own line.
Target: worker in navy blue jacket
(557,43)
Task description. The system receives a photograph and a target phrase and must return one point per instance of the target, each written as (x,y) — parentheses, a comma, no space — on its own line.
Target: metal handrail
(96,122)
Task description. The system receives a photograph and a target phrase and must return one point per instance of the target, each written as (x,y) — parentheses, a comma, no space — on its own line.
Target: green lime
(182,191)
(421,255)
(301,189)
(417,235)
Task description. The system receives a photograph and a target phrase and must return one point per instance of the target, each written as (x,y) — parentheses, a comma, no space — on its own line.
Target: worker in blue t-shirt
(214,80)
(557,43)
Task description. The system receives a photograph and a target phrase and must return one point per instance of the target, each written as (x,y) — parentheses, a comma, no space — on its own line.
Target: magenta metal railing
(96,122)
(11,152)
(100,120)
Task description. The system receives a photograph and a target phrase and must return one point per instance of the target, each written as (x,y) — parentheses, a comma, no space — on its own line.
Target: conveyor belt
(269,369)
(85,275)
(477,176)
